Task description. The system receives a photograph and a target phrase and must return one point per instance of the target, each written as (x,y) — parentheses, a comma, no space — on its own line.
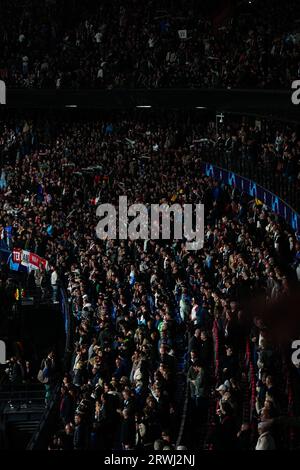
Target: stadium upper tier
(133,44)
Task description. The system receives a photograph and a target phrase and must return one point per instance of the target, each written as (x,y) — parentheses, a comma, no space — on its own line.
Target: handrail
(183,416)
(35,440)
(252,378)
(215,332)
(65,307)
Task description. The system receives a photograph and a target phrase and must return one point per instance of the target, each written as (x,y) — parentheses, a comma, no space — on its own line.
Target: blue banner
(273,202)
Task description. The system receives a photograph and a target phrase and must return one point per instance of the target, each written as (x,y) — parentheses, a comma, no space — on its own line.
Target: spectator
(265,440)
(127,430)
(54,285)
(80,438)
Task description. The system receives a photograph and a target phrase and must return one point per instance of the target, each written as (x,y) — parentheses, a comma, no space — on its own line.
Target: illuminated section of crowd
(149,316)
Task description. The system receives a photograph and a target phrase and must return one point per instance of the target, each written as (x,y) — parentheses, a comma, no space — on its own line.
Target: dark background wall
(271,103)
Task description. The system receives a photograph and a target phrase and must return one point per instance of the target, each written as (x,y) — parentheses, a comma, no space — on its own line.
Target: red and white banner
(37,261)
(28,259)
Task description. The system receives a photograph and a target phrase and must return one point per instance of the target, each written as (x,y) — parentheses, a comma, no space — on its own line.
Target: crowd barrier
(251,187)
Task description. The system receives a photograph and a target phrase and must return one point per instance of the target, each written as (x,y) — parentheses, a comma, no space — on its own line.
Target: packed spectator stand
(130,44)
(150,317)
(165,348)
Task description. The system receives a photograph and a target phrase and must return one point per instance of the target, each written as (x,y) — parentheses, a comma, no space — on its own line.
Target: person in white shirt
(98,37)
(194,312)
(54,285)
(265,440)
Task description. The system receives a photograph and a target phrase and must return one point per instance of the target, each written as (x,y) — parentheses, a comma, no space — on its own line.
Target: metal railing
(39,439)
(266,172)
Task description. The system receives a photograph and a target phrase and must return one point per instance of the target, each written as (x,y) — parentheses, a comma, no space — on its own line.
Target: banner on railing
(29,260)
(273,202)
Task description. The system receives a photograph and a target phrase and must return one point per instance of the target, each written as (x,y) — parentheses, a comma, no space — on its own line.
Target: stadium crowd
(146,313)
(129,44)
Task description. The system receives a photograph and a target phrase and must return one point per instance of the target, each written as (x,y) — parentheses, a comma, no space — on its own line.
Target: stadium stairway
(21,411)
(195,434)
(36,328)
